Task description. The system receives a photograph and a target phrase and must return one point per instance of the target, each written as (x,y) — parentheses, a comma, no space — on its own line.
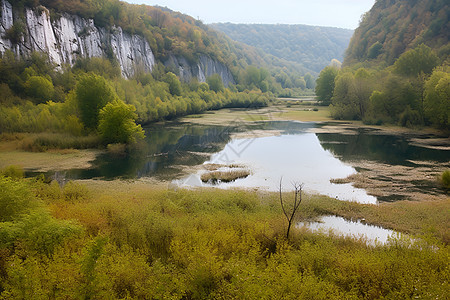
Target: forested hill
(310,46)
(392,27)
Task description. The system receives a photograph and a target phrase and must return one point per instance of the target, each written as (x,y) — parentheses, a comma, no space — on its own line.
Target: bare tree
(289,212)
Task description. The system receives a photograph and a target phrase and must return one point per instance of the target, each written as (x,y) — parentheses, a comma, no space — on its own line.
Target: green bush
(15,199)
(445,179)
(13,172)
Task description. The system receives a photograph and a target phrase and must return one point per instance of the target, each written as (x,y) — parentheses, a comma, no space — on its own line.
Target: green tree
(374,50)
(310,83)
(345,104)
(215,83)
(325,85)
(415,61)
(39,88)
(93,92)
(437,99)
(174,84)
(117,123)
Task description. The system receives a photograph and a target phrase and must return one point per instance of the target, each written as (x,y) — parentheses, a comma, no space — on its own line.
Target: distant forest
(313,47)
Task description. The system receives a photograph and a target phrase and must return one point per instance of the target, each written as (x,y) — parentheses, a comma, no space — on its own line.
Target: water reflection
(295,158)
(366,144)
(295,153)
(338,225)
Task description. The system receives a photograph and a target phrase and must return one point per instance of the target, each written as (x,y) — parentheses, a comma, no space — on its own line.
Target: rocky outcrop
(70,36)
(203,68)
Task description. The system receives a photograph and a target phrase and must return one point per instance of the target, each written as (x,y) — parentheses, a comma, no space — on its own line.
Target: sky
(332,13)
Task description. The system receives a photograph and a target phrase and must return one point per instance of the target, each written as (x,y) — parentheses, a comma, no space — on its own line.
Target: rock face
(70,37)
(202,69)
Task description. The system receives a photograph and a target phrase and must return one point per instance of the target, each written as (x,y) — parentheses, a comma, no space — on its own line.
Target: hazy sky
(335,13)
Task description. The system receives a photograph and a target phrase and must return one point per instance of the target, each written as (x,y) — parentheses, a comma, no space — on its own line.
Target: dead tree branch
(290,212)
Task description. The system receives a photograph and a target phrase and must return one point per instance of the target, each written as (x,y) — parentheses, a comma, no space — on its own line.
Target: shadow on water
(366,144)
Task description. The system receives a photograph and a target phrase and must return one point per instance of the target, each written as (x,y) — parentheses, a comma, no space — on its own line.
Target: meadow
(132,240)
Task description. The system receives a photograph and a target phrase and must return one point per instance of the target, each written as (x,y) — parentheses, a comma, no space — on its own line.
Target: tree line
(414,91)
(92,98)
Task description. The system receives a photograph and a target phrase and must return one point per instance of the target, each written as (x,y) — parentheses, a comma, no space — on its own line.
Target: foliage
(437,94)
(311,47)
(415,61)
(445,179)
(93,92)
(391,28)
(174,84)
(325,85)
(39,88)
(145,242)
(117,123)
(215,83)
(13,172)
(15,199)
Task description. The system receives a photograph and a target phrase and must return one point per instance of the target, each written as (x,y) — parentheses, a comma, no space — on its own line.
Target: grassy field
(128,240)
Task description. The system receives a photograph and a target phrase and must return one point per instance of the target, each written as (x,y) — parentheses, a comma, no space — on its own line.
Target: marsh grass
(215,177)
(45,141)
(147,242)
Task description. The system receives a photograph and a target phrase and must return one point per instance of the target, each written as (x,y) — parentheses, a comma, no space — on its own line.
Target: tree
(309,79)
(437,99)
(325,85)
(290,210)
(374,50)
(92,93)
(117,123)
(215,83)
(39,88)
(174,84)
(415,61)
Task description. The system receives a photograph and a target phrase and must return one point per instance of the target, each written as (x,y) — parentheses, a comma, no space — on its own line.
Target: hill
(312,47)
(392,27)
(396,69)
(139,37)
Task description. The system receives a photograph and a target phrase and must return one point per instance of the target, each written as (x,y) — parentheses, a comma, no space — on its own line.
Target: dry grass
(224,176)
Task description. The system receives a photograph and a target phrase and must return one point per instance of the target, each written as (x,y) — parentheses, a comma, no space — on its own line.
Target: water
(295,153)
(372,234)
(293,157)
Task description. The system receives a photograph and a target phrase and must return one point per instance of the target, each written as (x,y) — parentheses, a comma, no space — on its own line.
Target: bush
(445,179)
(15,199)
(13,172)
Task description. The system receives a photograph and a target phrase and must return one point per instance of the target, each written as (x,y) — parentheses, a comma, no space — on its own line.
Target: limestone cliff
(70,36)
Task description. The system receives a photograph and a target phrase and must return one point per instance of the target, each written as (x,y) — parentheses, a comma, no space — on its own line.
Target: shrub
(445,179)
(13,172)
(15,199)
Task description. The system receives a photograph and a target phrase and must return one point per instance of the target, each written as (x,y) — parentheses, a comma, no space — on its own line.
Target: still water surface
(294,153)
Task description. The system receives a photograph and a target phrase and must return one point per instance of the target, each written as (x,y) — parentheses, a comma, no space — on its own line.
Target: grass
(149,243)
(224,176)
(50,160)
(307,115)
